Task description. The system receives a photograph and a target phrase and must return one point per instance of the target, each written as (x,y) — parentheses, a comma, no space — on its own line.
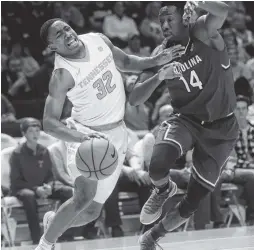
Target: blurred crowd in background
(27,65)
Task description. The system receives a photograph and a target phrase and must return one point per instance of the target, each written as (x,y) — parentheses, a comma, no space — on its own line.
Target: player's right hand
(170,71)
(97,135)
(170,54)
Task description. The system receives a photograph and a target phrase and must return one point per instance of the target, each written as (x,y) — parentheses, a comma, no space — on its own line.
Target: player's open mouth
(167,33)
(73,42)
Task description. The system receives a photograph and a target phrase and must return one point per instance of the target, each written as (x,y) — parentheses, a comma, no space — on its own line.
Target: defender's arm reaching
(133,63)
(149,80)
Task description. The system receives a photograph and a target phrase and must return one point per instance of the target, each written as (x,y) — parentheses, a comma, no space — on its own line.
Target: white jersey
(98,97)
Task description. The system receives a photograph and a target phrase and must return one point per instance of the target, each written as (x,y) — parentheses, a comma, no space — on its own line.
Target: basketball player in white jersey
(85,72)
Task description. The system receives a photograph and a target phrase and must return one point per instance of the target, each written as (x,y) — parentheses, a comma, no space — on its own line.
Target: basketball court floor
(241,238)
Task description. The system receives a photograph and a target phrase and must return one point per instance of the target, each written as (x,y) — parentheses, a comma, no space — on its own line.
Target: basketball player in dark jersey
(203,99)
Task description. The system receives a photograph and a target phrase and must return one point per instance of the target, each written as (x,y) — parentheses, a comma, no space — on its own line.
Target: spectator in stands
(32,177)
(238,19)
(28,63)
(134,46)
(118,26)
(135,10)
(243,87)
(237,38)
(244,149)
(161,101)
(39,82)
(9,123)
(164,112)
(98,10)
(150,27)
(70,14)
(14,82)
(5,40)
(4,59)
(240,167)
(136,118)
(245,144)
(250,74)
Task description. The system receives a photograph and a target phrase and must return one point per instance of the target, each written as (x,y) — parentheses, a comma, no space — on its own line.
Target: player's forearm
(136,63)
(215,8)
(60,131)
(143,90)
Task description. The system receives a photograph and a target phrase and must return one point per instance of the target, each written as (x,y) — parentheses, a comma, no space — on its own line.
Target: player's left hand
(170,71)
(169,54)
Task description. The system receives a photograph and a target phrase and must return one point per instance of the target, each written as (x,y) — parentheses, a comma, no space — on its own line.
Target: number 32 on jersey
(103,85)
(194,81)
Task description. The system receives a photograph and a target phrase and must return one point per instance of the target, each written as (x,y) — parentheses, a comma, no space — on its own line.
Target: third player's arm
(60,83)
(144,87)
(133,63)
(149,81)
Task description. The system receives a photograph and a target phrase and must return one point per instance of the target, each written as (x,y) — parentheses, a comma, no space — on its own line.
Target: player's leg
(173,140)
(175,217)
(208,161)
(84,193)
(86,216)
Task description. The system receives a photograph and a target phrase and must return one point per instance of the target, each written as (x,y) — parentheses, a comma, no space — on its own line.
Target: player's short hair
(178,4)
(45,29)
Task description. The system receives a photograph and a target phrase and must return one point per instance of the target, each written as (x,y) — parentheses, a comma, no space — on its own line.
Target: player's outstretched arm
(60,83)
(133,63)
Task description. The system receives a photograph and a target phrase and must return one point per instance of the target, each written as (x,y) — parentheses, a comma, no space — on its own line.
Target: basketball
(96,159)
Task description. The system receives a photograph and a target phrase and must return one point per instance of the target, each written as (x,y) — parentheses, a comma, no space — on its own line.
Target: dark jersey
(206,88)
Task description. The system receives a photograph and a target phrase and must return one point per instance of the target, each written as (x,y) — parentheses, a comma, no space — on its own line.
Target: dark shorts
(212,143)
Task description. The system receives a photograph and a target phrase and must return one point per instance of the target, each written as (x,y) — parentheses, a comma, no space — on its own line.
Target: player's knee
(84,193)
(80,202)
(164,157)
(94,210)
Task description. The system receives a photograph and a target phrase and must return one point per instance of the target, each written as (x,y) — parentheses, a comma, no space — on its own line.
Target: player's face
(63,39)
(171,24)
(241,110)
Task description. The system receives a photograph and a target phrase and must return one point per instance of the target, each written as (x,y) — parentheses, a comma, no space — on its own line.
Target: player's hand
(98,135)
(41,192)
(190,15)
(169,54)
(144,177)
(131,173)
(170,71)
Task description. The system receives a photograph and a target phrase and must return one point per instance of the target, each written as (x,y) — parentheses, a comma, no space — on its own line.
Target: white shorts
(119,138)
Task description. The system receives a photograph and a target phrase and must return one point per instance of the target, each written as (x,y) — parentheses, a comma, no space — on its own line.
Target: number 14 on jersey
(194,81)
